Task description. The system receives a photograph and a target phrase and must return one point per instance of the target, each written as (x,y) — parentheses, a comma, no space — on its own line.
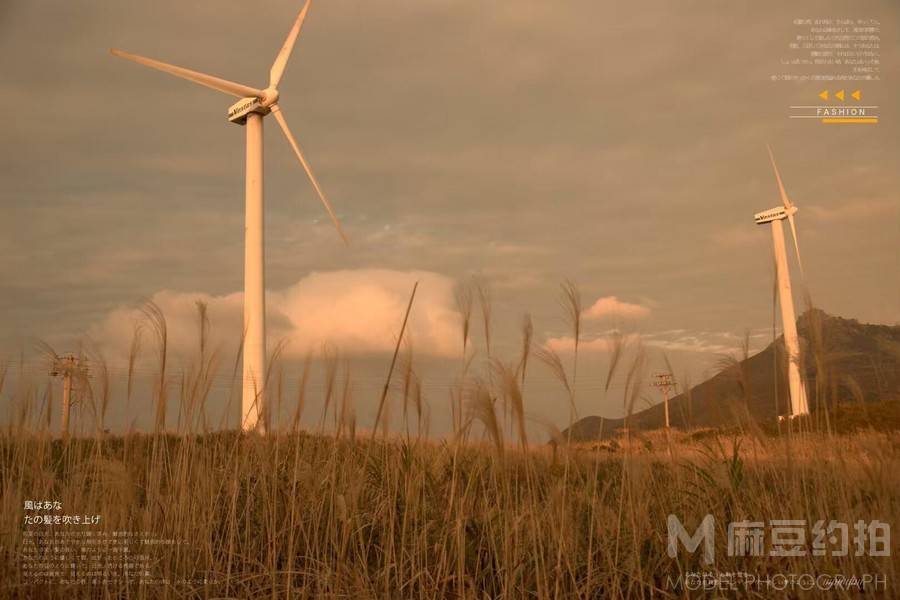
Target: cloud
(692,344)
(356,311)
(706,342)
(675,340)
(611,306)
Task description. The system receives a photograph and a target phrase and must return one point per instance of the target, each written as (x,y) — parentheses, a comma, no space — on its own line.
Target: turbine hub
(270,96)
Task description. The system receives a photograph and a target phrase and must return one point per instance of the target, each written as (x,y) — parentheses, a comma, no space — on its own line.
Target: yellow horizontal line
(851,120)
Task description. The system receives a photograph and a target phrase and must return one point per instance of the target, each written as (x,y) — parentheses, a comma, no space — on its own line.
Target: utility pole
(665,382)
(68,367)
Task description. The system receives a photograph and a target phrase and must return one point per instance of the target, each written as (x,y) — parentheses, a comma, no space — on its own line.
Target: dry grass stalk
(527,338)
(485,302)
(512,394)
(156,321)
(387,381)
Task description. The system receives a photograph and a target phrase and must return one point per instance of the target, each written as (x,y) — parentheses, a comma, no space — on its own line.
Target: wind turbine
(254,104)
(797,389)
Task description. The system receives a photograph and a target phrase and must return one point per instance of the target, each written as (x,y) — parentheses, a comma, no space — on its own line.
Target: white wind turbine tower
(799,404)
(254,104)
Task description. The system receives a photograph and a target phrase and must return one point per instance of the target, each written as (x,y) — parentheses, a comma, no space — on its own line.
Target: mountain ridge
(844,361)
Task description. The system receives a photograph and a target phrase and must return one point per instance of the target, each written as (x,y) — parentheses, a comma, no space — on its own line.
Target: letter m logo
(705,533)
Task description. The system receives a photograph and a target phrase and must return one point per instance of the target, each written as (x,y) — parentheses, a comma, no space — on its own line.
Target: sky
(618,145)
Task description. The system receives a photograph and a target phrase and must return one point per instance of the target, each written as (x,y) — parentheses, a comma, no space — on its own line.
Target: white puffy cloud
(355,311)
(361,311)
(611,306)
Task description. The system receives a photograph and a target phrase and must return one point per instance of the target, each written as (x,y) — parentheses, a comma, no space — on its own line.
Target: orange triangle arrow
(840,95)
(857,95)
(824,95)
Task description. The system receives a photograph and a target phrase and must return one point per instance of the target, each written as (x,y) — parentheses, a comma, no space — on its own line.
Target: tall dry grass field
(487,513)
(303,516)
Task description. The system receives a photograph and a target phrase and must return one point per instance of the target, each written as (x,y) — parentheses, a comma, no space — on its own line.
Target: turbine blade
(284,54)
(784,197)
(210,81)
(276,110)
(796,244)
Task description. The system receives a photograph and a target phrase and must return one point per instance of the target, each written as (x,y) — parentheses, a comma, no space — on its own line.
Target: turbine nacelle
(240,110)
(774,214)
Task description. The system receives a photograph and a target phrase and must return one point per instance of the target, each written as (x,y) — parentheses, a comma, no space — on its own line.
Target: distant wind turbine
(797,389)
(253,105)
